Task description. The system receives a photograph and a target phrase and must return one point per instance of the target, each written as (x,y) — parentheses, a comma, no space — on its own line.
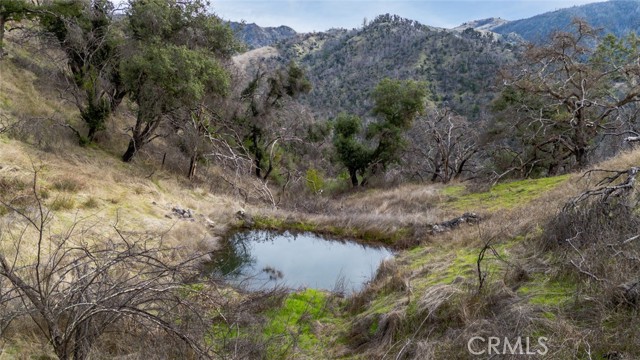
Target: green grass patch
(548,292)
(454,190)
(191,289)
(462,266)
(446,269)
(502,196)
(296,313)
(549,315)
(289,328)
(382,304)
(269,223)
(273,223)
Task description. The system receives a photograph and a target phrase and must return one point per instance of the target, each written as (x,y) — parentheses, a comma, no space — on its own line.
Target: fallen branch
(469,218)
(606,188)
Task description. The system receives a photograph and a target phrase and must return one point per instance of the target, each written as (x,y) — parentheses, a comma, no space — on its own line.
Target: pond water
(261,259)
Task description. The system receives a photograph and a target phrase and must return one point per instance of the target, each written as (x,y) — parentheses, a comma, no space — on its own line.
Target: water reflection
(260,259)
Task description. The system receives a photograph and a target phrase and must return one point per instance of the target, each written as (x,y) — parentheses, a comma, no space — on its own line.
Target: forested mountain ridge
(344,65)
(616,17)
(460,64)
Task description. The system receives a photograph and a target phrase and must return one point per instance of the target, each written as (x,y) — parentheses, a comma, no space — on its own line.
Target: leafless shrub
(388,279)
(6,124)
(76,285)
(597,235)
(47,133)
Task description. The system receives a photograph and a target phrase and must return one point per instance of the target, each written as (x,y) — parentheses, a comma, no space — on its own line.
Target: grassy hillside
(81,182)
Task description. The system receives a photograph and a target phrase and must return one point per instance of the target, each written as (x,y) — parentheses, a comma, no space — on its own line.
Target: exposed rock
(182,213)
(256,36)
(482,24)
(246,218)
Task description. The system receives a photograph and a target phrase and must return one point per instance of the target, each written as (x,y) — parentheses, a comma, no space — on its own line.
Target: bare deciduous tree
(443,146)
(563,96)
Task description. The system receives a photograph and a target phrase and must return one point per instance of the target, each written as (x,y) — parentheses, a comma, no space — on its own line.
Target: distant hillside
(618,17)
(482,24)
(345,65)
(256,36)
(486,26)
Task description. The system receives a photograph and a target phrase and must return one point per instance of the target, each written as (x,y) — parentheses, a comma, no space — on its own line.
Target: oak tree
(175,58)
(567,93)
(396,105)
(87,33)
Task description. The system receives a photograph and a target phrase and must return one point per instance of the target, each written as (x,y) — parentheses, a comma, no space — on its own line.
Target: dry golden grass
(86,183)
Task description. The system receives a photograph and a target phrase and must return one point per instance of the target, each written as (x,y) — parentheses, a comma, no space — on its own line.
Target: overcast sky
(320,15)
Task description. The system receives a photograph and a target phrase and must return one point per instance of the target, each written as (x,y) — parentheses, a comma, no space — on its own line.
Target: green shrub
(315,181)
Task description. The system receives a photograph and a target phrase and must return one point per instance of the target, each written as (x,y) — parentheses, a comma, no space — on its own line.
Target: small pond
(261,259)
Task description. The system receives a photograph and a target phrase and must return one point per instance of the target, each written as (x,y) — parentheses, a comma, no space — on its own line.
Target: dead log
(468,218)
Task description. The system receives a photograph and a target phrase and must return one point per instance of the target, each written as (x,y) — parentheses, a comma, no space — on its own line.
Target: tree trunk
(354,178)
(580,149)
(82,343)
(91,135)
(258,170)
(269,170)
(59,347)
(142,133)
(192,166)
(460,168)
(257,152)
(132,149)
(581,143)
(436,171)
(581,157)
(2,21)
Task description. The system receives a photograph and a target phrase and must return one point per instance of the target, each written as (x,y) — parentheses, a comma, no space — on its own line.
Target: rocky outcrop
(256,36)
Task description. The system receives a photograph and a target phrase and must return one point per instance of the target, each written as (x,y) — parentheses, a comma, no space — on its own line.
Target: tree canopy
(174,59)
(12,10)
(397,104)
